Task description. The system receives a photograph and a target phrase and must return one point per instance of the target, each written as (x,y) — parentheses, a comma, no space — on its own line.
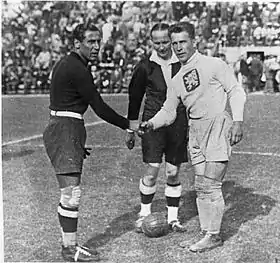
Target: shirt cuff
(129,131)
(133,125)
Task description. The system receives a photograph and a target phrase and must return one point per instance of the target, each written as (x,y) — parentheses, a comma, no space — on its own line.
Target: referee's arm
(136,91)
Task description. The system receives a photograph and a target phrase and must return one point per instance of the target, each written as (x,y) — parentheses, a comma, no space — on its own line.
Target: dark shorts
(64,140)
(171,141)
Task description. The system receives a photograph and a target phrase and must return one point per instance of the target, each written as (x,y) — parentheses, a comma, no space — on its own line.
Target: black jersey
(148,79)
(73,89)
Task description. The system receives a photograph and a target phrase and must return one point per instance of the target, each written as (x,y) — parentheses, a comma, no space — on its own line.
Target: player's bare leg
(147,187)
(173,191)
(68,219)
(210,203)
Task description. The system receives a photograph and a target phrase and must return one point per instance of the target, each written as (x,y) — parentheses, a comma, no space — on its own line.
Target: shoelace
(82,251)
(175,223)
(141,218)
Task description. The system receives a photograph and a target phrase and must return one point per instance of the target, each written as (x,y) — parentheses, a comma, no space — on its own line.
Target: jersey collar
(193,58)
(155,58)
(75,54)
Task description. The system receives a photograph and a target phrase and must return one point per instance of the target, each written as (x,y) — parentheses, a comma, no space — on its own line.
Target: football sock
(210,204)
(173,195)
(147,194)
(68,219)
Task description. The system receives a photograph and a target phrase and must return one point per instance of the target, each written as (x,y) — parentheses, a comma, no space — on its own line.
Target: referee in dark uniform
(72,91)
(151,77)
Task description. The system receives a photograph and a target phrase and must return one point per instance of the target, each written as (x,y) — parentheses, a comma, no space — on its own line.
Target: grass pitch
(110,200)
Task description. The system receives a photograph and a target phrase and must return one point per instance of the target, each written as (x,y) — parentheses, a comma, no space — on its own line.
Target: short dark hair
(182,27)
(159,27)
(79,31)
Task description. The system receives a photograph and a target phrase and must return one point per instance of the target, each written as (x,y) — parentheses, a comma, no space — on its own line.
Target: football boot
(194,239)
(138,224)
(79,254)
(208,242)
(176,226)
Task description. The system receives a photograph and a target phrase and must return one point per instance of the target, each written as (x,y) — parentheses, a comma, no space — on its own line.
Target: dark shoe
(208,242)
(193,240)
(79,254)
(176,226)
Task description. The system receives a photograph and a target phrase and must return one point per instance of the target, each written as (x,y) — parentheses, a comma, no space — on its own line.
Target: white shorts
(209,139)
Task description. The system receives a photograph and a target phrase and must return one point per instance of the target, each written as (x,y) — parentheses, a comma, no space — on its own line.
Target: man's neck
(84,59)
(190,58)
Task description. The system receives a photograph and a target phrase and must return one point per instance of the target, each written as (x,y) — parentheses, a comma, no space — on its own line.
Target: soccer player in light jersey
(204,84)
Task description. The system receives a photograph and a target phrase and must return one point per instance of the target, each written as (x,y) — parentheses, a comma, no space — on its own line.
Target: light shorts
(64,140)
(209,140)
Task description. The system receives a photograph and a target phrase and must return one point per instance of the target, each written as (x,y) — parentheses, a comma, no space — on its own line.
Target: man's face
(183,46)
(131,42)
(162,44)
(90,46)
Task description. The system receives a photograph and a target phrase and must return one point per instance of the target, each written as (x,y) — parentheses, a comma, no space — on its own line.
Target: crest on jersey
(191,80)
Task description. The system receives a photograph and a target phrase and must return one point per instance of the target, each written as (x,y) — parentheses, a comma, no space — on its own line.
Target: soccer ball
(155,225)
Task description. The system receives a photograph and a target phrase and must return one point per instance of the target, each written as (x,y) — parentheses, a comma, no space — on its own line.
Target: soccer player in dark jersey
(72,91)
(151,77)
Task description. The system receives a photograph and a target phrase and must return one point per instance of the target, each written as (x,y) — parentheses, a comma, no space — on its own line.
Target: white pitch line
(104,146)
(8,96)
(26,139)
(37,136)
(257,153)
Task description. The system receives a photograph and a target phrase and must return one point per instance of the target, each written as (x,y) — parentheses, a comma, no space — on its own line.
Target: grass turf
(110,200)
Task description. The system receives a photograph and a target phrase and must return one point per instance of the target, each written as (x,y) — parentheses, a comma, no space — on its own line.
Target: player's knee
(172,179)
(171,172)
(172,175)
(70,196)
(149,180)
(208,188)
(150,177)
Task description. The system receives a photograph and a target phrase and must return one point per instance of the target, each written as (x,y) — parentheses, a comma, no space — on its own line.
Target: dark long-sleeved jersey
(148,79)
(73,89)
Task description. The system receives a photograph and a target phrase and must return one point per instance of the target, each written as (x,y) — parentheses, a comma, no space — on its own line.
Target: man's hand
(130,139)
(145,127)
(87,152)
(236,132)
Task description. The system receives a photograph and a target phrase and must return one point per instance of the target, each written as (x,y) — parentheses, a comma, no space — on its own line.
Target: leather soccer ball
(155,225)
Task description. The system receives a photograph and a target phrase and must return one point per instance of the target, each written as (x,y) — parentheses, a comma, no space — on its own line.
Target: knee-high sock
(210,204)
(173,195)
(147,194)
(217,207)
(68,219)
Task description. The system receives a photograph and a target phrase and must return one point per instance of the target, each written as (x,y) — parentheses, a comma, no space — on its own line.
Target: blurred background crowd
(35,34)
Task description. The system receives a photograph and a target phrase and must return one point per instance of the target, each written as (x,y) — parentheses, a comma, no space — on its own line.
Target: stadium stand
(36,34)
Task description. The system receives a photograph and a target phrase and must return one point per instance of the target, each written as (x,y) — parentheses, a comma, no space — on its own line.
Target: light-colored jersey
(204,84)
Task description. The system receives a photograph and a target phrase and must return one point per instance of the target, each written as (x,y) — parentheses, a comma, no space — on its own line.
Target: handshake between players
(143,128)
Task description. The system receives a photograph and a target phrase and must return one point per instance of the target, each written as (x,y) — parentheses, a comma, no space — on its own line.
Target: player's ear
(195,42)
(77,44)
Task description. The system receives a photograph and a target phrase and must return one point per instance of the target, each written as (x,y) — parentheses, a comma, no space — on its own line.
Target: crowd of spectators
(35,34)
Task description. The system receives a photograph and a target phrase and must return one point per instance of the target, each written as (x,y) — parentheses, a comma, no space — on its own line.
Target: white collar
(155,58)
(193,57)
